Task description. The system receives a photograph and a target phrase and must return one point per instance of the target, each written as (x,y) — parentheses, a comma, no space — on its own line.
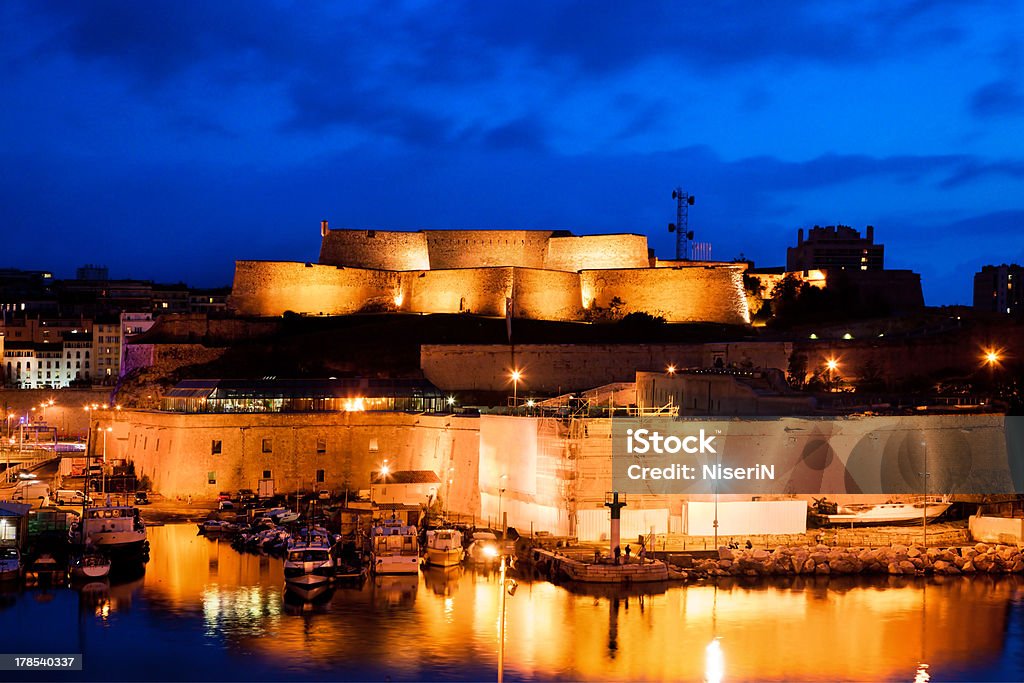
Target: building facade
(835,247)
(997,289)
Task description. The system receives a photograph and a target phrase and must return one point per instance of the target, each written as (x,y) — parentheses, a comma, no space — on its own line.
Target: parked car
(225,505)
(70,497)
(246,496)
(141,498)
(224,495)
(324,494)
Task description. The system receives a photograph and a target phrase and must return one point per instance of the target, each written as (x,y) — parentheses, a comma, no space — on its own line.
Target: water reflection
(206,611)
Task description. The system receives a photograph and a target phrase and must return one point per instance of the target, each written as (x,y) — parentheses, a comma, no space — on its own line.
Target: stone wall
(269,288)
(375,249)
(547,295)
(482,291)
(487,248)
(690,294)
(596,251)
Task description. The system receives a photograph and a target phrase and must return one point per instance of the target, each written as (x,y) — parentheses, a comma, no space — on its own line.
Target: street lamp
(516,376)
(105,431)
(924,512)
(501,492)
(831,364)
(671,369)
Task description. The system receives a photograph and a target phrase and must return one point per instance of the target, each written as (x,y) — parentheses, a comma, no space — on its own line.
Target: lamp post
(105,430)
(516,376)
(501,492)
(831,365)
(924,511)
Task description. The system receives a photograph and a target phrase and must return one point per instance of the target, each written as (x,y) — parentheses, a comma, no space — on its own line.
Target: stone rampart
(375,249)
(690,294)
(269,288)
(594,252)
(486,248)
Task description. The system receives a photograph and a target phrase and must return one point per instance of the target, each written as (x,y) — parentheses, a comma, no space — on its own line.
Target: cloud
(998,98)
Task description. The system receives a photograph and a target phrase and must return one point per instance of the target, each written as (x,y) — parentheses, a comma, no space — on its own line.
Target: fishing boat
(308,566)
(10,563)
(90,565)
(826,512)
(394,548)
(444,547)
(111,529)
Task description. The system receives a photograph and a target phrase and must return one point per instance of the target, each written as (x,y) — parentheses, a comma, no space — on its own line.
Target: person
(628,550)
(617,552)
(643,551)
(597,556)
(749,544)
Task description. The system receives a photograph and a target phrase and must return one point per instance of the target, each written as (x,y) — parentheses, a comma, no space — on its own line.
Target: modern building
(835,247)
(106,351)
(997,289)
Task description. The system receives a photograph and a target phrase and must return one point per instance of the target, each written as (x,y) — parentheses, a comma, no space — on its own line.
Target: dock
(556,565)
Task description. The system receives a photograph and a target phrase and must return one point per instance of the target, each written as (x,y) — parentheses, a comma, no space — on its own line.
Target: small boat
(46,569)
(308,566)
(484,548)
(394,548)
(444,547)
(111,529)
(90,566)
(825,512)
(10,563)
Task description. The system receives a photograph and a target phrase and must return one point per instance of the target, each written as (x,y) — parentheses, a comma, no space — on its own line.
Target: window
(266,474)
(321,446)
(211,477)
(215,447)
(319,476)
(268,445)
(373,445)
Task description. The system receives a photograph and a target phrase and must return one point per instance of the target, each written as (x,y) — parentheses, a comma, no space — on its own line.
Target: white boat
(444,547)
(111,529)
(484,548)
(90,565)
(10,563)
(878,514)
(394,548)
(308,566)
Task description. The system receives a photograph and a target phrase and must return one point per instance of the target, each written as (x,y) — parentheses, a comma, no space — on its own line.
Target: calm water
(202,611)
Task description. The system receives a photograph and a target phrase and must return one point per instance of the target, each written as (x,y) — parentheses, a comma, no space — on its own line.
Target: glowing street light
(516,375)
(992,357)
(671,369)
(832,364)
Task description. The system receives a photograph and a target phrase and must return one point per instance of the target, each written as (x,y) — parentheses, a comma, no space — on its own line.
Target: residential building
(835,247)
(997,289)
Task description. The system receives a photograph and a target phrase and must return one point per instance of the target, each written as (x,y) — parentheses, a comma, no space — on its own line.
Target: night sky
(166,139)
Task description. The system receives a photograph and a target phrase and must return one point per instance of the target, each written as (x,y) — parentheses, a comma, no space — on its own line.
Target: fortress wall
(475,290)
(710,294)
(486,248)
(175,450)
(375,249)
(596,252)
(271,288)
(547,294)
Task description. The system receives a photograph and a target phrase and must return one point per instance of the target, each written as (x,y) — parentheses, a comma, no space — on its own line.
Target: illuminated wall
(470,290)
(485,248)
(596,251)
(689,294)
(547,295)
(269,288)
(375,249)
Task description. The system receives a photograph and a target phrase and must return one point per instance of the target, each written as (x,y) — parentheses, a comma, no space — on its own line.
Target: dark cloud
(998,98)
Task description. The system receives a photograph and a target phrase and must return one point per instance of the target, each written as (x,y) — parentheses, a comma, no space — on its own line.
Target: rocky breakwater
(897,559)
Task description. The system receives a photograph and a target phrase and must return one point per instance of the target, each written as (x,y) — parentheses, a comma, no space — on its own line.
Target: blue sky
(167,139)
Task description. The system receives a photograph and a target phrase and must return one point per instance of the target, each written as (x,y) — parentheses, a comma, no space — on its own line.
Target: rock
(968,567)
(894,568)
(808,566)
(725,554)
(761,554)
(981,547)
(822,569)
(940,566)
(914,552)
(1017,567)
(819,558)
(959,561)
(917,561)
(907,567)
(841,566)
(951,569)
(724,563)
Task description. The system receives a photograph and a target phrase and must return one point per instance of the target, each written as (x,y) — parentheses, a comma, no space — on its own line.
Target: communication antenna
(681,226)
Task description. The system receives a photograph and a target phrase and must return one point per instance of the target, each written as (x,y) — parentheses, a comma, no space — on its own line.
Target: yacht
(893,513)
(10,563)
(444,547)
(484,548)
(394,548)
(111,529)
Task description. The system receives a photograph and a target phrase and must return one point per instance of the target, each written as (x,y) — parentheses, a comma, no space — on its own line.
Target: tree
(796,370)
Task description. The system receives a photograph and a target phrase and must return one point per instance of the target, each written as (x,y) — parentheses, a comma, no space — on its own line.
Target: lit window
(215,447)
(268,446)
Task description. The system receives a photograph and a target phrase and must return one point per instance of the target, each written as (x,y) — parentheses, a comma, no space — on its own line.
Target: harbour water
(202,611)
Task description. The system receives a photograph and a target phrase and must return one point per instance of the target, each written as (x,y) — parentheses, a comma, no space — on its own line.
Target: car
(141,498)
(246,496)
(324,494)
(225,505)
(224,495)
(70,497)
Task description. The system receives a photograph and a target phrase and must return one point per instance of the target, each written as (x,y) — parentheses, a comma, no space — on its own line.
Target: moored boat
(90,566)
(112,530)
(394,548)
(484,548)
(444,547)
(10,563)
(824,511)
(308,566)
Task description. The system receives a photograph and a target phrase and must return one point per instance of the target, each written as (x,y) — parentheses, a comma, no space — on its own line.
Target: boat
(10,563)
(827,512)
(308,566)
(484,548)
(444,547)
(394,548)
(111,529)
(46,570)
(90,565)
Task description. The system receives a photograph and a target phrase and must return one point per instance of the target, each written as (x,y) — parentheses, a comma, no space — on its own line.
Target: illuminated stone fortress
(542,274)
